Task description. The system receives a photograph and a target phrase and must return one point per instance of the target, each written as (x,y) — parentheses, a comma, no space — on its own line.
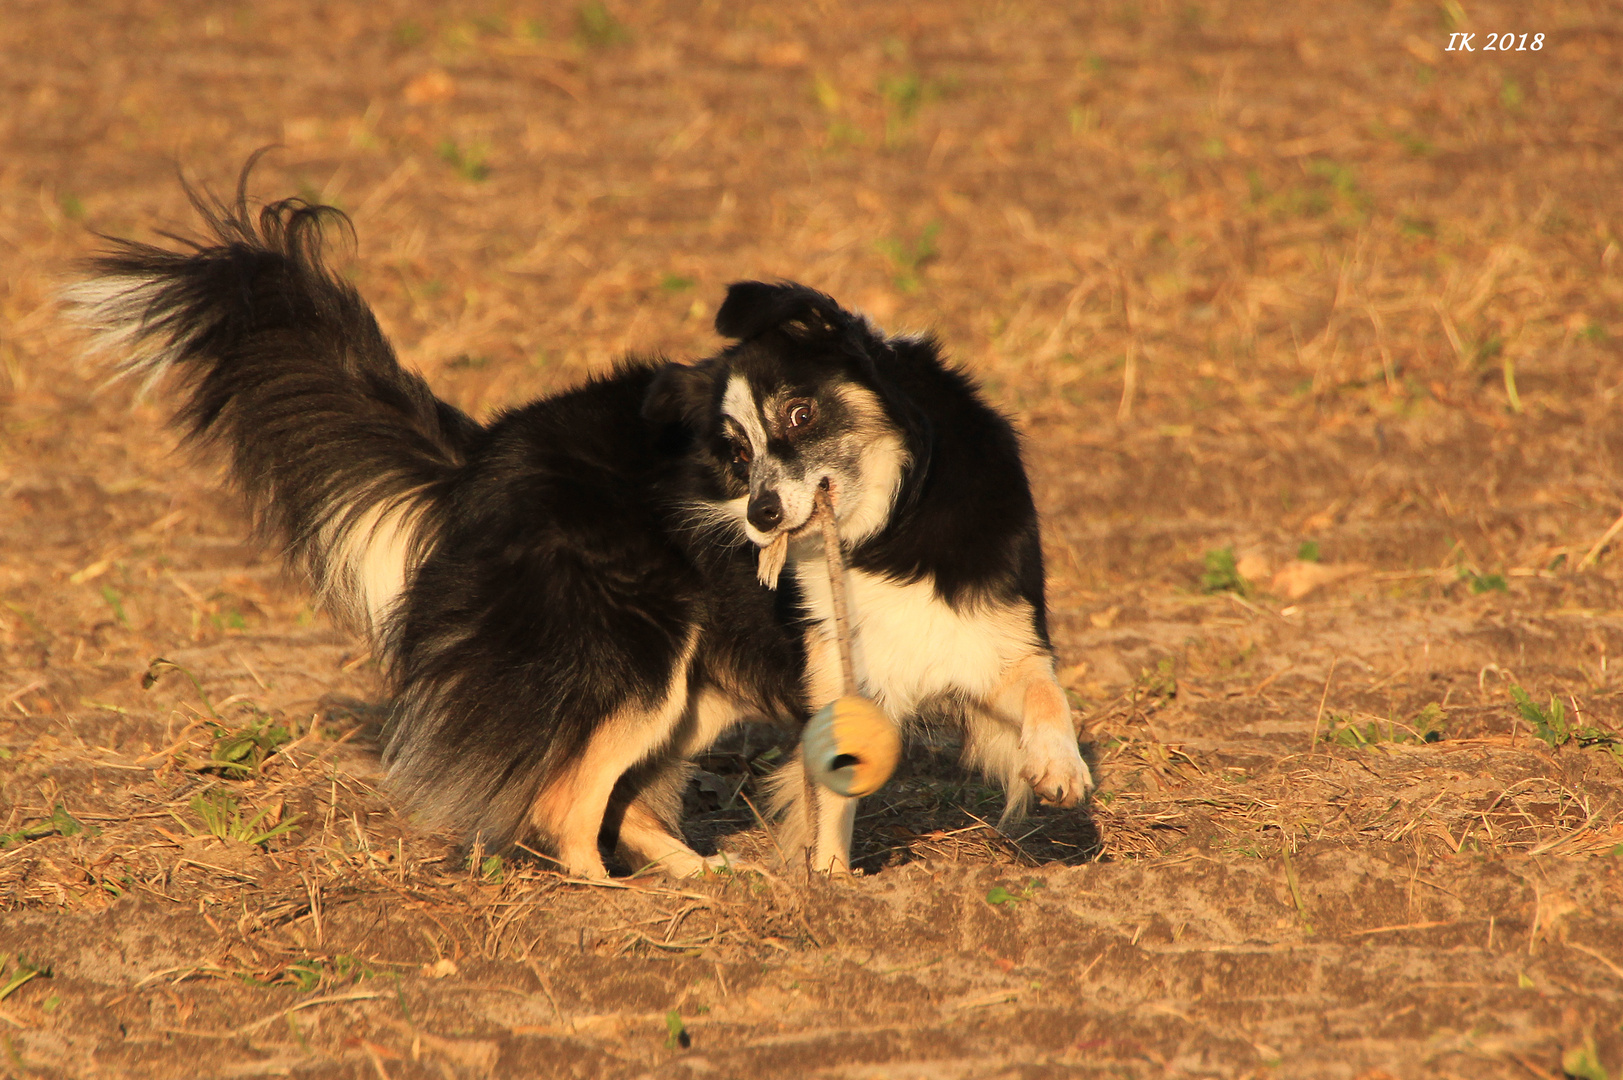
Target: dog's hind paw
(1054,768)
(687,863)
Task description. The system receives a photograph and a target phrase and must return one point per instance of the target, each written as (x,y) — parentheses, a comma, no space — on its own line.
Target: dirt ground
(1313,329)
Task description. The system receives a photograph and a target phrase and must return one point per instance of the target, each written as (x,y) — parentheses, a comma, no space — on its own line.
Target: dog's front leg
(1050,760)
(833,816)
(816,822)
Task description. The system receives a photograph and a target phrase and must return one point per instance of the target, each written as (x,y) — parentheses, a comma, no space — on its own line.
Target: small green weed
(469,162)
(1418,147)
(221,818)
(491,867)
(60,823)
(909,257)
(303,974)
(1161,683)
(1426,726)
(1309,551)
(1551,726)
(676,1032)
(242,751)
(903,94)
(1583,1062)
(155,671)
(1083,118)
(597,28)
(21,973)
(1222,575)
(827,94)
(1481,583)
(1341,178)
(306,975)
(1418,228)
(676,283)
(998,896)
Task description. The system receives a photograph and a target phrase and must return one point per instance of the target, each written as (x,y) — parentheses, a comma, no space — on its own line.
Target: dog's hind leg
(647,833)
(572,805)
(648,822)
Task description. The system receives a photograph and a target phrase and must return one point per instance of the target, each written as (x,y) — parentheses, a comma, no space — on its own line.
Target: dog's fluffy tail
(340,451)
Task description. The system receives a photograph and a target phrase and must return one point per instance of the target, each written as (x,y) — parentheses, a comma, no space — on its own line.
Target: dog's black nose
(765,510)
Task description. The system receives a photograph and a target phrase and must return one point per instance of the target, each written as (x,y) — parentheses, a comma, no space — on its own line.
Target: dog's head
(805,399)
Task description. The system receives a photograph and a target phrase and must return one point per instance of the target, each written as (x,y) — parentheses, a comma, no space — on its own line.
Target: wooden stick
(836,584)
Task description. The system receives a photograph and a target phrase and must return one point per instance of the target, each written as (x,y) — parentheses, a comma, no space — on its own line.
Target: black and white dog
(575,598)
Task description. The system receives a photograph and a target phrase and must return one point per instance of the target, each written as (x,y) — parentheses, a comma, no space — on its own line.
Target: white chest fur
(908,644)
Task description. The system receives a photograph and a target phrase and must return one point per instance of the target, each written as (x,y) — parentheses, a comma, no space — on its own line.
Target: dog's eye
(798,413)
(741,451)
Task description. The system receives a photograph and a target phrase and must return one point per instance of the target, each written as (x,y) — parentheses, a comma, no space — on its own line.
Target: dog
(573,599)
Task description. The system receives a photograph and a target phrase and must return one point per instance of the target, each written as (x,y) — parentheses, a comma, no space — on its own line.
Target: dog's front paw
(1054,768)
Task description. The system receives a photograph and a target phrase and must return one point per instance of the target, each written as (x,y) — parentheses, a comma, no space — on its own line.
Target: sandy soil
(1302,287)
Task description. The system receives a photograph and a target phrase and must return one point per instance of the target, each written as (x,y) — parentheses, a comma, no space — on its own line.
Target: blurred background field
(1312,326)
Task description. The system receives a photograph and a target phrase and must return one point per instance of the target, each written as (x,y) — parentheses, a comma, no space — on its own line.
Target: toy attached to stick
(849,746)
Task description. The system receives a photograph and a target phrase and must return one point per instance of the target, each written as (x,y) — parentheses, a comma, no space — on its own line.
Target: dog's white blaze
(908,644)
(738,403)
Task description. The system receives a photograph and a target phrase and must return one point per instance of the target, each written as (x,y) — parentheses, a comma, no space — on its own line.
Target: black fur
(289,373)
(560,574)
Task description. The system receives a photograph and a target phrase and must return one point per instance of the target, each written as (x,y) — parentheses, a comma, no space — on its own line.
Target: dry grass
(1250,279)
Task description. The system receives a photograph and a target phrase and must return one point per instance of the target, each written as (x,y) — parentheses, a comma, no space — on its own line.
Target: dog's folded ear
(678,394)
(754,307)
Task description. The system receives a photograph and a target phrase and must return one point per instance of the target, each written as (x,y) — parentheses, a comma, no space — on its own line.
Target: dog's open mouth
(775,552)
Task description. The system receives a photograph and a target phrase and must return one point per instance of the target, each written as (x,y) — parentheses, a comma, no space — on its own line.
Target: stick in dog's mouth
(772,558)
(776,552)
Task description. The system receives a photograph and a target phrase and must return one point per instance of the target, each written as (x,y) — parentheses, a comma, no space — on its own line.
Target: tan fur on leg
(1052,763)
(1024,738)
(569,810)
(647,828)
(647,841)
